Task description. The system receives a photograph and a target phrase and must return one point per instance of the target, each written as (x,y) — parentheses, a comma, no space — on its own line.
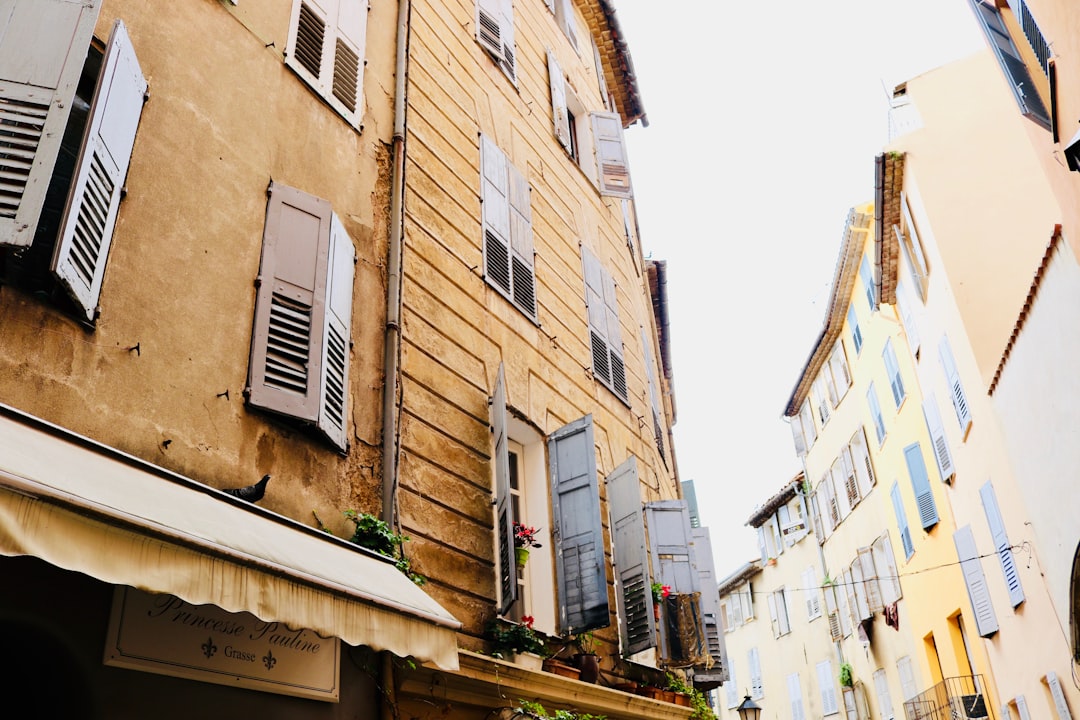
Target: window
(507,229)
(564,16)
(892,369)
(811,586)
(875,413)
(968,554)
(867,277)
(654,394)
(605,333)
(827,686)
(881,685)
(1001,544)
(495,33)
(731,688)
(757,688)
(920,483)
(856,333)
(942,454)
(778,613)
(68,130)
(299,365)
(908,235)
(1012,64)
(326,49)
(794,690)
(956,388)
(901,522)
(906,670)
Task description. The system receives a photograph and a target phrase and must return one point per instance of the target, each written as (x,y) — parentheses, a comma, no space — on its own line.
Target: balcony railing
(955,698)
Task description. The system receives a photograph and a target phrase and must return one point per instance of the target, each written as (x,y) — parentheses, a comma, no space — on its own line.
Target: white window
(867,277)
(794,689)
(495,33)
(913,249)
(778,612)
(827,686)
(812,590)
(853,326)
(757,688)
(605,331)
(875,413)
(907,677)
(326,49)
(506,220)
(881,685)
(892,370)
(564,16)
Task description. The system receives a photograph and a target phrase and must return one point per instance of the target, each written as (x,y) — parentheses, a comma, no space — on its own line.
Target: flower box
(562,669)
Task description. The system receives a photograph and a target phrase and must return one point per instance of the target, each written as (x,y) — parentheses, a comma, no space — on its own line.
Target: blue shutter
(638,628)
(893,371)
(504,527)
(1001,544)
(1016,71)
(901,522)
(920,482)
(576,531)
(669,545)
(971,565)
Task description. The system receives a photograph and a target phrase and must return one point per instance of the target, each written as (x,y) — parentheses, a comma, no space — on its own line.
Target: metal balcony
(955,698)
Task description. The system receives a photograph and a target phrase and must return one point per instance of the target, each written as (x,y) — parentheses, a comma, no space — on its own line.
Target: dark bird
(251,493)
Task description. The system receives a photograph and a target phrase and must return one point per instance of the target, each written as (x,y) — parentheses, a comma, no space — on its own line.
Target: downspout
(392,337)
(879,222)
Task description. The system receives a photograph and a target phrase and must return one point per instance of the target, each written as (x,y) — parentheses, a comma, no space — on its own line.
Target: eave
(615,57)
(770,506)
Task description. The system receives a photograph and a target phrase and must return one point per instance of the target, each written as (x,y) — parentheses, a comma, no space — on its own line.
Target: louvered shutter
(286,348)
(881,685)
(839,369)
(864,468)
(568,23)
(614,335)
(846,605)
(702,558)
(333,418)
(638,628)
(757,688)
(560,113)
(1056,692)
(809,428)
(509,62)
(906,316)
(601,79)
(870,579)
(495,215)
(86,233)
(813,593)
(504,518)
(1001,544)
(830,385)
(815,518)
(839,482)
(522,271)
(1016,71)
(594,301)
(827,495)
(936,428)
(489,30)
(863,609)
(888,575)
(577,532)
(875,413)
(971,565)
(856,332)
(326,49)
(43,46)
(851,483)
(907,677)
(668,523)
(797,436)
(901,522)
(762,546)
(795,697)
(832,610)
(611,158)
(896,383)
(920,482)
(828,688)
(952,379)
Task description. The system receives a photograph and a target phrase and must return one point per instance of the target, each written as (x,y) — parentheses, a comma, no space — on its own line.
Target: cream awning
(84,507)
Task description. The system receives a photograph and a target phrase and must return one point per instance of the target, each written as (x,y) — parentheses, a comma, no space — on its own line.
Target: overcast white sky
(764,120)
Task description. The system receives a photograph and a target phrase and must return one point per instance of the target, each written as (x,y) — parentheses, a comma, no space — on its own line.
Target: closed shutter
(504,518)
(902,523)
(1060,705)
(906,671)
(731,688)
(920,481)
(888,575)
(326,49)
(333,419)
(757,687)
(870,579)
(604,329)
(1016,71)
(637,626)
(812,593)
(936,428)
(522,270)
(971,565)
(881,685)
(611,158)
(952,379)
(290,307)
(577,532)
(828,688)
(794,690)
(43,45)
(86,234)
(875,413)
(1001,544)
(495,215)
(560,113)
(836,631)
(906,316)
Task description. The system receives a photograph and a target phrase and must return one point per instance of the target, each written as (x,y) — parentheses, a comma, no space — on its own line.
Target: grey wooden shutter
(504,520)
(611,159)
(489,30)
(326,49)
(1016,71)
(86,233)
(601,79)
(920,482)
(334,384)
(654,395)
(669,547)
(495,215)
(936,428)
(702,558)
(971,565)
(1001,544)
(286,347)
(577,533)
(522,272)
(560,113)
(638,628)
(952,379)
(43,45)
(594,302)
(901,521)
(1060,704)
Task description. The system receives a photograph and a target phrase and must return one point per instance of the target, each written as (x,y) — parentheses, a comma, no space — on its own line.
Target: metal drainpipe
(392,337)
(879,222)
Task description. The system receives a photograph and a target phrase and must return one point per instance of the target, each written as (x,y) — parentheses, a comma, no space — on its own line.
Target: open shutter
(920,481)
(565,13)
(638,628)
(815,518)
(807,416)
(601,80)
(851,483)
(495,215)
(1022,707)
(774,616)
(1060,705)
(847,606)
(79,260)
(42,48)
(489,30)
(333,419)
(839,369)
(864,468)
(702,558)
(797,436)
(1001,544)
(611,158)
(952,379)
(942,454)
(861,608)
(836,631)
(827,686)
(757,688)
(614,336)
(506,22)
(888,575)
(906,316)
(594,301)
(901,522)
(522,272)
(870,579)
(985,619)
(560,113)
(1016,71)
(577,532)
(669,547)
(286,347)
(504,518)
(326,49)
(731,688)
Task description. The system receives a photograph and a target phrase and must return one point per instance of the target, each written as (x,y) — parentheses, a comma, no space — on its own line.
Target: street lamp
(749,710)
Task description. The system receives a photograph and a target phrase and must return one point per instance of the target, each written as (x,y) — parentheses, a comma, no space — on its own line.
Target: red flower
(527,621)
(525,536)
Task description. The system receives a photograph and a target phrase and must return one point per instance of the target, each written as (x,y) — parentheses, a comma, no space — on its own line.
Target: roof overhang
(738,577)
(92,509)
(615,57)
(888,187)
(770,506)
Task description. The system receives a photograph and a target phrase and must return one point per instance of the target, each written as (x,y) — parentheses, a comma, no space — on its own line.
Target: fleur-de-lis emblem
(209,648)
(269,660)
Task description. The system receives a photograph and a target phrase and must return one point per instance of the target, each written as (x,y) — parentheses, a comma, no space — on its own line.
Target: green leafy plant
(702,711)
(509,638)
(845,675)
(539,712)
(374,534)
(585,643)
(659,592)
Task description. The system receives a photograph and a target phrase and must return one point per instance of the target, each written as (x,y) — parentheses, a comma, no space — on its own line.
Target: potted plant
(659,594)
(511,638)
(845,675)
(683,692)
(524,540)
(586,660)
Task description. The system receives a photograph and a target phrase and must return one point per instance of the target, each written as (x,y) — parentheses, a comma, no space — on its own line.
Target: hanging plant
(845,675)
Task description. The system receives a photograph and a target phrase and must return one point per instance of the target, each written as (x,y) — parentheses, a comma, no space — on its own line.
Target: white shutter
(840,488)
(851,484)
(907,677)
(830,384)
(86,234)
(746,598)
(830,512)
(864,468)
(42,51)
(326,49)
(509,63)
(489,30)
(565,13)
(906,316)
(942,454)
(870,579)
(782,611)
(798,437)
(861,606)
(844,600)
(731,688)
(495,214)
(881,685)
(885,562)
(774,617)
(815,518)
(795,697)
(1001,544)
(836,631)
(560,112)
(971,565)
(611,159)
(522,272)
(828,688)
(813,593)
(808,423)
(1022,708)
(952,379)
(839,368)
(1060,705)
(506,577)
(757,690)
(600,78)
(334,397)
